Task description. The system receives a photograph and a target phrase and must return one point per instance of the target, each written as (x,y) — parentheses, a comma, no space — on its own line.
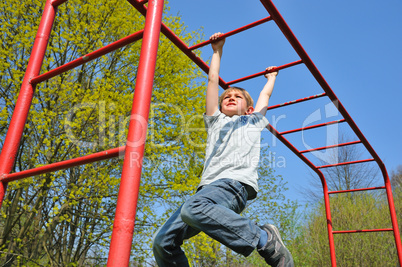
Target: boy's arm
(212,96)
(263,100)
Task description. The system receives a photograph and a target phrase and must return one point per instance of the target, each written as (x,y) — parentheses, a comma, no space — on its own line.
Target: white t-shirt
(233,148)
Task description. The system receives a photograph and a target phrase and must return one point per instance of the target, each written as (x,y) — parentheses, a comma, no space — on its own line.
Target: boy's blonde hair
(249,100)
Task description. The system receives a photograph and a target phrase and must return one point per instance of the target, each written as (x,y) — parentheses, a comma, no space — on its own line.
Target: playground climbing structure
(123,228)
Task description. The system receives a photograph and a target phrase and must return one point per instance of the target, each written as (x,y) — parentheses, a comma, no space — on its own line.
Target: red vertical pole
(329,222)
(324,186)
(18,120)
(394,221)
(123,227)
(277,17)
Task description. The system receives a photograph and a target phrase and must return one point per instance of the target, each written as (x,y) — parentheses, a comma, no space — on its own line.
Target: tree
(396,178)
(345,177)
(349,211)
(396,182)
(311,247)
(65,218)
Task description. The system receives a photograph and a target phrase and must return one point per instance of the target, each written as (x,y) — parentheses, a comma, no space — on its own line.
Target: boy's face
(234,103)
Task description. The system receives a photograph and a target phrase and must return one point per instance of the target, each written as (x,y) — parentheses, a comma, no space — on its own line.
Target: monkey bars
(123,228)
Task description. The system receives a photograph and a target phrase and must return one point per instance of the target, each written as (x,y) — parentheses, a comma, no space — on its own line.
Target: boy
(234,133)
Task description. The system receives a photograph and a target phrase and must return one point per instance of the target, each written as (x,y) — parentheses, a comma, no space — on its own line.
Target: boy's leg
(215,210)
(169,238)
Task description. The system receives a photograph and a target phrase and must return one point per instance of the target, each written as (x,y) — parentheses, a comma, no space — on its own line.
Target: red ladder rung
(107,154)
(345,163)
(264,72)
(312,127)
(362,231)
(297,101)
(178,42)
(88,57)
(332,146)
(355,190)
(246,27)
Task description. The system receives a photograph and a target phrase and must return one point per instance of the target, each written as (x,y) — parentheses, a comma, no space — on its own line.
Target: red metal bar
(312,127)
(297,101)
(56,3)
(179,43)
(272,10)
(355,190)
(107,154)
(91,56)
(16,128)
(362,231)
(314,71)
(277,17)
(322,178)
(394,220)
(332,146)
(264,72)
(246,27)
(123,227)
(293,149)
(345,163)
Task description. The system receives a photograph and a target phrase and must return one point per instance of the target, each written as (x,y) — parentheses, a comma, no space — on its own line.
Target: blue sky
(356,45)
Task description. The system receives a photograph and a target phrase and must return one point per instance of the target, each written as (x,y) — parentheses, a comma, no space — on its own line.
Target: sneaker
(274,252)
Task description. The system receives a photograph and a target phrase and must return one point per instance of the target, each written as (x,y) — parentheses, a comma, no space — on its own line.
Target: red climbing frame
(123,228)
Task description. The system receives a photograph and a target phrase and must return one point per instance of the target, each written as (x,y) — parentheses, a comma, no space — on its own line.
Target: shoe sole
(280,241)
(277,234)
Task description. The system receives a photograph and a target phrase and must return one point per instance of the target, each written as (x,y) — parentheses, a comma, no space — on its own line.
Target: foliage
(65,218)
(344,177)
(396,179)
(311,248)
(351,211)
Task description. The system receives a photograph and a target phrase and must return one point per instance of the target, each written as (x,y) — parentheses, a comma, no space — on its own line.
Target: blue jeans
(214,210)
